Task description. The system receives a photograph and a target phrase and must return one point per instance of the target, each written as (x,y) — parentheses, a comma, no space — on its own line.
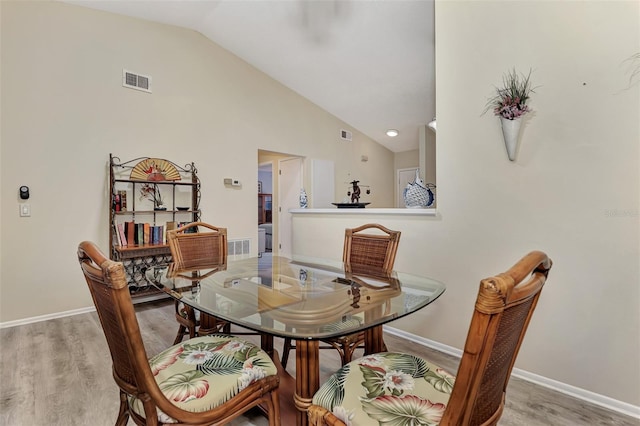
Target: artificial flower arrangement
(510,101)
(152,192)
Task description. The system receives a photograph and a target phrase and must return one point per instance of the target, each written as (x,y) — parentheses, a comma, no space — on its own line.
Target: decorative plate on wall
(154,169)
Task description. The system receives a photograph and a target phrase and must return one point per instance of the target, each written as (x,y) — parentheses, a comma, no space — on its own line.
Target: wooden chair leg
(123,412)
(347,353)
(182,330)
(286,348)
(274,412)
(191,316)
(184,314)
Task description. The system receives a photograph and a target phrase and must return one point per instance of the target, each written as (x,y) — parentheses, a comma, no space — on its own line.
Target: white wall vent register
(136,81)
(345,135)
(235,247)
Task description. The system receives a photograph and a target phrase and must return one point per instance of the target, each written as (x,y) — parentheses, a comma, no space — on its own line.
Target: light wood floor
(58,372)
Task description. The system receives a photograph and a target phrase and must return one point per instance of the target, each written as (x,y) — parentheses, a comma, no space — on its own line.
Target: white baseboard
(579,393)
(24,321)
(582,394)
(47,317)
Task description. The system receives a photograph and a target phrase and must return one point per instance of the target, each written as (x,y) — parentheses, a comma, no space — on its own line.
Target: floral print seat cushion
(204,372)
(387,389)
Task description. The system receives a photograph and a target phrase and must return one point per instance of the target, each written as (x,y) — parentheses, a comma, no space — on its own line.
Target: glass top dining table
(305,299)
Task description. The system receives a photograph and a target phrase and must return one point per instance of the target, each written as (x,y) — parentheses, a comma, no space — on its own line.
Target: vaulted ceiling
(369,63)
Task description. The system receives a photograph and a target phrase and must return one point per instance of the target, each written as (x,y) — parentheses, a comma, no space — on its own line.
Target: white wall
(64,110)
(578,161)
(573,191)
(407,159)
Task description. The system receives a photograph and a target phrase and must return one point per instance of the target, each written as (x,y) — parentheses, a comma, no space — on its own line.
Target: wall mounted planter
(511,134)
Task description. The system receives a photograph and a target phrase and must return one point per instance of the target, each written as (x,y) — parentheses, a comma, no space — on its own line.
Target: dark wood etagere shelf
(178,188)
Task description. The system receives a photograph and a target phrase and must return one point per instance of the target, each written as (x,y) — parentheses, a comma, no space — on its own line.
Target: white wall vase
(417,194)
(511,133)
(303,199)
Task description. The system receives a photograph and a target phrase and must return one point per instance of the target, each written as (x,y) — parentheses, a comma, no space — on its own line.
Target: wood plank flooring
(58,372)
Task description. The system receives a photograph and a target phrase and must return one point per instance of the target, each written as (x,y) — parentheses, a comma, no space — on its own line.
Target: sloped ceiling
(370,63)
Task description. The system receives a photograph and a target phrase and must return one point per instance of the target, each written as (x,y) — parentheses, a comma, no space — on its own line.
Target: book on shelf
(122,237)
(156,234)
(147,233)
(139,233)
(123,200)
(130,232)
(116,236)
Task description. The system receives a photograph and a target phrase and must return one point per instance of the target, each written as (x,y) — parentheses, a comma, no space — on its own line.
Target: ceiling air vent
(136,81)
(345,135)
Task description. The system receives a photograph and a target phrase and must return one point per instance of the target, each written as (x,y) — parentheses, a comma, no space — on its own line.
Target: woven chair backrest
(503,309)
(364,250)
(198,249)
(110,292)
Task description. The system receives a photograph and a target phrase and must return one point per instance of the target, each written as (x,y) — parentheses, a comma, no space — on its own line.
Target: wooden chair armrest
(320,416)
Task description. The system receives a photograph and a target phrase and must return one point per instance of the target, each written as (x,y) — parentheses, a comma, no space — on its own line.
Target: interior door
(404,177)
(289,185)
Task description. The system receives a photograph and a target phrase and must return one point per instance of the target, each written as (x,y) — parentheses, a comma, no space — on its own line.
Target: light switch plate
(25,210)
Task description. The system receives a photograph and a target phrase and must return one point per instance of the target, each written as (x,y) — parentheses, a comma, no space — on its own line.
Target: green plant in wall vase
(510,104)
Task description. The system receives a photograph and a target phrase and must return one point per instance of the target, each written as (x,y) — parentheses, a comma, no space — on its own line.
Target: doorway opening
(286,181)
(265,207)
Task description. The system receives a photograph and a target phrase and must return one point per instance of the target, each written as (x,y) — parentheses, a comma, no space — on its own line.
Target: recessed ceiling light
(392,133)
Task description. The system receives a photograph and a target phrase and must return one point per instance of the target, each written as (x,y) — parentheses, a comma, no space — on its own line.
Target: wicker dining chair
(192,251)
(201,381)
(370,250)
(191,248)
(363,252)
(362,393)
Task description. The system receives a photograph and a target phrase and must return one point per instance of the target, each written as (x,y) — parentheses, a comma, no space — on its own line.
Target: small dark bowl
(183,208)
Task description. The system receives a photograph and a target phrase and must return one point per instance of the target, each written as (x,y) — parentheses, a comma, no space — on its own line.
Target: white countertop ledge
(368,211)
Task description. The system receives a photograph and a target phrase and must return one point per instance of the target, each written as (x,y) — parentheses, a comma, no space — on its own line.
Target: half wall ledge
(367,211)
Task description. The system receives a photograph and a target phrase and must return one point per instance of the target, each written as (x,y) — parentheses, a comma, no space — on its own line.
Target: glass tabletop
(298,298)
